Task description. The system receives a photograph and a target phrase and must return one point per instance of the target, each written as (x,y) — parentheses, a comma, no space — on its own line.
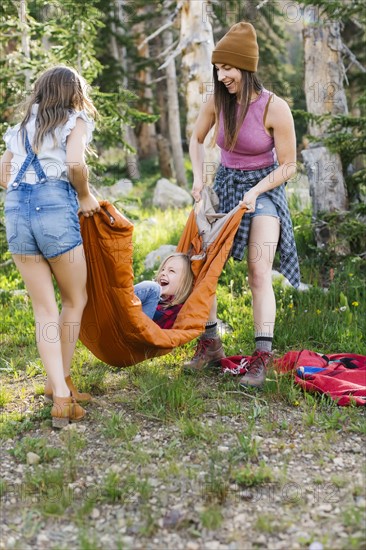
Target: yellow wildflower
(355,304)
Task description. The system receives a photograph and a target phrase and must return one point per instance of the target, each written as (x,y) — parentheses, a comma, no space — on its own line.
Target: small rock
(212,545)
(240,519)
(327,507)
(166,195)
(154,482)
(33,458)
(360,500)
(316,545)
(106,541)
(95,514)
(120,189)
(72,427)
(11,542)
(43,541)
(155,257)
(302,535)
(81,428)
(173,518)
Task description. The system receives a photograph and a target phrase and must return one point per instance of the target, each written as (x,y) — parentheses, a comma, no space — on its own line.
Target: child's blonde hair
(187,278)
(57,92)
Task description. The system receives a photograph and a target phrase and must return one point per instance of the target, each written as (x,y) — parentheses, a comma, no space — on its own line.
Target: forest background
(149,65)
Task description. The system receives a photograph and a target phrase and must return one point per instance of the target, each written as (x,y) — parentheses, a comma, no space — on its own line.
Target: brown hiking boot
(209,352)
(256,370)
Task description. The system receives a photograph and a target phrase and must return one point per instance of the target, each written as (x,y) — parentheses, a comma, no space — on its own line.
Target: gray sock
(263,341)
(210,330)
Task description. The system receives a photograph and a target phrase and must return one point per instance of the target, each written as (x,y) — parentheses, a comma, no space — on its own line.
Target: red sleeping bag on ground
(342,376)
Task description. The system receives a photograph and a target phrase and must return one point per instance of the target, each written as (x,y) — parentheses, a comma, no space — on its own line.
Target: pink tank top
(254,148)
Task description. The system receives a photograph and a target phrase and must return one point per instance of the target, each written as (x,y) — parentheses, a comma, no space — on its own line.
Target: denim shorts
(42,218)
(264,207)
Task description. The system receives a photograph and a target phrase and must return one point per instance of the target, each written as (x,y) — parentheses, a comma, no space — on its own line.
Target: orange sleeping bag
(114,327)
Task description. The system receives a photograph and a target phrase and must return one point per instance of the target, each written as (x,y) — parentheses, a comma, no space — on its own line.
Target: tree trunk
(22,13)
(147,135)
(119,55)
(165,157)
(164,149)
(324,73)
(197,42)
(173,115)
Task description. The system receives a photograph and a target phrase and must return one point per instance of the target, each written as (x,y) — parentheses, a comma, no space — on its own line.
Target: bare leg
(37,277)
(213,311)
(70,273)
(263,239)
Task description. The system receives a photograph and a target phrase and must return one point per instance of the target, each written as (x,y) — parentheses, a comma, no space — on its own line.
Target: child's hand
(88,205)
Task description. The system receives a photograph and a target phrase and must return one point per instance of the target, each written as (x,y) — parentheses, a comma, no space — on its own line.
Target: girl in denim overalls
(44,172)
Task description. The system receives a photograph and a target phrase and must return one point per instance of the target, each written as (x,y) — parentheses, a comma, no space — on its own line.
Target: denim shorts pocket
(54,220)
(11,222)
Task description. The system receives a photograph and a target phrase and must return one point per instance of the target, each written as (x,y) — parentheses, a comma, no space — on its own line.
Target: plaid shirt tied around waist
(230,186)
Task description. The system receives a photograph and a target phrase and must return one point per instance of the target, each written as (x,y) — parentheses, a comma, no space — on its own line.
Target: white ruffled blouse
(51,157)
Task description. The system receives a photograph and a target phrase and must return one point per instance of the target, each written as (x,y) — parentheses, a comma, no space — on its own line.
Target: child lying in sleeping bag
(163,298)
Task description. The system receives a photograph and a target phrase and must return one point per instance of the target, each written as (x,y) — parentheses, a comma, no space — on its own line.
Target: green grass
(211,518)
(116,488)
(38,446)
(49,489)
(193,429)
(117,427)
(168,397)
(252,475)
(5,396)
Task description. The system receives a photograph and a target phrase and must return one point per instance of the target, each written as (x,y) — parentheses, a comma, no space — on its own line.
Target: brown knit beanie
(238,48)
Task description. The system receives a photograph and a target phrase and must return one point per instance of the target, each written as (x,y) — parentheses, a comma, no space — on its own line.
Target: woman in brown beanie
(255,132)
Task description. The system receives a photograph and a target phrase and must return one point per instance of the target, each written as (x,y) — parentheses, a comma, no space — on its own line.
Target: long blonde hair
(186,282)
(57,92)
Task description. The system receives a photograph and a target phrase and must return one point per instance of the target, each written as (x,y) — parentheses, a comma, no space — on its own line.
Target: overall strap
(30,160)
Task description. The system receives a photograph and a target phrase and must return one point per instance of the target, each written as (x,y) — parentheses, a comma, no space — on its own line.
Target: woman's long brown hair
(57,92)
(226,104)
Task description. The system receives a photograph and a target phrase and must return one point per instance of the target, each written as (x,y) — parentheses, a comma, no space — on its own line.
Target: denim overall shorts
(41,218)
